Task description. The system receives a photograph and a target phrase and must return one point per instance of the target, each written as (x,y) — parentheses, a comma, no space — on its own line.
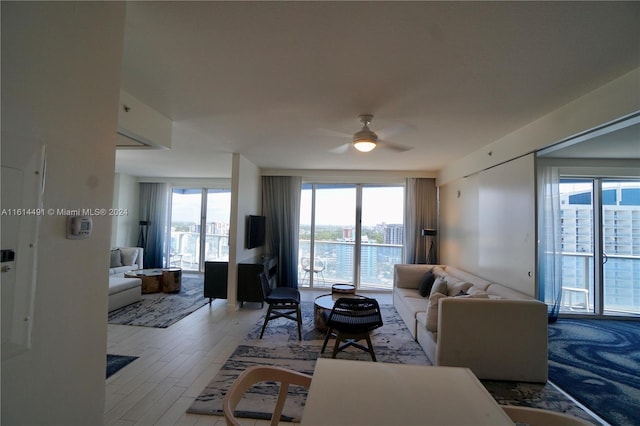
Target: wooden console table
(248,277)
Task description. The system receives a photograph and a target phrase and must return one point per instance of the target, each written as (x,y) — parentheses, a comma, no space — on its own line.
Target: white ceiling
(271,80)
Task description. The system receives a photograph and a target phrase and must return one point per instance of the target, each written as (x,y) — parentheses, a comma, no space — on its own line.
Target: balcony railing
(185,249)
(621,283)
(621,273)
(376,264)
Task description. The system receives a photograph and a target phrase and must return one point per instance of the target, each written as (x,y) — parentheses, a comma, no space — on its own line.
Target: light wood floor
(177,362)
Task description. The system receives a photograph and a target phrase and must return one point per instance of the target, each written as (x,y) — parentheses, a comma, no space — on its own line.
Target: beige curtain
(421,212)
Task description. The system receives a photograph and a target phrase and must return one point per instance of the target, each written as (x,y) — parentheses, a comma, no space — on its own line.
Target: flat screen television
(255,231)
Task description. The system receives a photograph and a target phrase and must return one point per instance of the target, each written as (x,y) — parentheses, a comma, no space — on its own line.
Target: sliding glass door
(621,246)
(382,232)
(350,233)
(600,246)
(199,228)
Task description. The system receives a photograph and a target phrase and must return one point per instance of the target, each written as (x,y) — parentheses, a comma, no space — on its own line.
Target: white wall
(488,222)
(60,86)
(461,243)
(610,102)
(126,201)
(246,199)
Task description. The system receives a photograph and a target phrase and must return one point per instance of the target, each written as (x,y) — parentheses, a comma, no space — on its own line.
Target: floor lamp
(431,258)
(142,237)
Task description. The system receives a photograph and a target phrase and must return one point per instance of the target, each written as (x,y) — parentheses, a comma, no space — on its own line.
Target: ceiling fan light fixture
(365,140)
(364,145)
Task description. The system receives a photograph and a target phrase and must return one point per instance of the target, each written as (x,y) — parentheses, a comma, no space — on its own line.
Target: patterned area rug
(392,342)
(161,310)
(280,347)
(117,362)
(598,363)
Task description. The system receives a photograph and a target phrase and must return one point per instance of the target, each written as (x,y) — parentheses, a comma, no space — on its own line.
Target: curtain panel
(281,206)
(421,212)
(550,240)
(153,210)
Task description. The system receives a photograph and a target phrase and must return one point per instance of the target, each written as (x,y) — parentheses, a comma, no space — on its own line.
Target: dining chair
(255,374)
(284,302)
(351,320)
(538,416)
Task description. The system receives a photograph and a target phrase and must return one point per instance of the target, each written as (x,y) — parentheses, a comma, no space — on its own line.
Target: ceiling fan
(366,140)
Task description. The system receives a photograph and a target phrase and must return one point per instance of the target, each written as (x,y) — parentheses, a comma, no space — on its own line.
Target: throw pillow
(129,255)
(426,283)
(439,286)
(116,259)
(476,291)
(432,311)
(457,286)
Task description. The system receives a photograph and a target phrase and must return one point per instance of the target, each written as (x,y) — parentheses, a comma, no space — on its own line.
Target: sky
(186,207)
(333,206)
(337,206)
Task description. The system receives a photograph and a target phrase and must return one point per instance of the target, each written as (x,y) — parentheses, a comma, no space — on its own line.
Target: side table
(171,280)
(151,279)
(345,289)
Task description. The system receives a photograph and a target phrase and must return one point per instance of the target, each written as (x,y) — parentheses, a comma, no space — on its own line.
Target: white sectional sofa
(497,332)
(124,291)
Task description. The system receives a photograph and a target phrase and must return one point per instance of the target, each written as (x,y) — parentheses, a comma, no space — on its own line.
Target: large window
(199,228)
(600,245)
(350,233)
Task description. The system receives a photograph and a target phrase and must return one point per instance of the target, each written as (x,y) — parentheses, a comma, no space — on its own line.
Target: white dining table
(345,392)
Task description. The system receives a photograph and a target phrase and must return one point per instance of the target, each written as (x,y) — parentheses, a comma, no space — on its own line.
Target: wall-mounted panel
(488,224)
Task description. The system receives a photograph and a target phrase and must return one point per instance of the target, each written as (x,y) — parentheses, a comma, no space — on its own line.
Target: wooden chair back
(256,374)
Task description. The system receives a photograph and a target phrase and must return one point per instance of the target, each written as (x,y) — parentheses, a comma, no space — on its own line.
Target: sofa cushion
(439,286)
(129,255)
(426,283)
(409,275)
(120,270)
(506,293)
(475,291)
(117,284)
(456,287)
(116,258)
(407,292)
(432,311)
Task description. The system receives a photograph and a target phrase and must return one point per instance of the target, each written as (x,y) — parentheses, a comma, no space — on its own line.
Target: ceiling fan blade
(389,131)
(341,149)
(394,146)
(332,133)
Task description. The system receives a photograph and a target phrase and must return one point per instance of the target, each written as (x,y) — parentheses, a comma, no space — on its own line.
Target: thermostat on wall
(79,227)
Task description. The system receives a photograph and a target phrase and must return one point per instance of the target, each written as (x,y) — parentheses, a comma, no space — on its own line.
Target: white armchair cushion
(129,255)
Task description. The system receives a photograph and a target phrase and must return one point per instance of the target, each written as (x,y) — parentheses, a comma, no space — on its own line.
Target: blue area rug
(116,362)
(598,363)
(161,310)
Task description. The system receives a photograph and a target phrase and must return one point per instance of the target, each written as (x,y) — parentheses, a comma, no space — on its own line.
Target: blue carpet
(116,362)
(597,362)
